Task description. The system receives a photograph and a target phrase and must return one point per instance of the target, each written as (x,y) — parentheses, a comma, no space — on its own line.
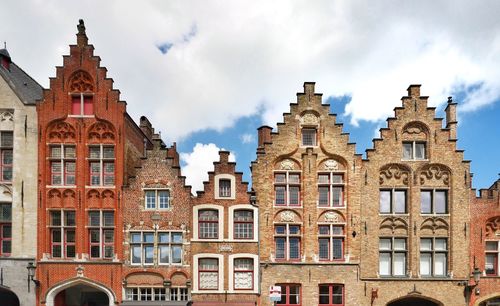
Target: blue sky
(208,73)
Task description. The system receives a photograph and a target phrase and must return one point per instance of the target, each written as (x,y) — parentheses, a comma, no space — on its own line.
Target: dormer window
(82,105)
(414,150)
(309,137)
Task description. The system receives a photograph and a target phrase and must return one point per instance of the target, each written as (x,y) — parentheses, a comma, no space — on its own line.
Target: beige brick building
(18,180)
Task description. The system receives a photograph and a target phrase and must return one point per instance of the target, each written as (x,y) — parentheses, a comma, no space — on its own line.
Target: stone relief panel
(6,120)
(61,132)
(69,198)
(394,226)
(54,198)
(93,198)
(331,165)
(434,175)
(101,131)
(287,164)
(434,226)
(108,198)
(81,81)
(415,131)
(331,216)
(309,119)
(493,228)
(285,216)
(394,175)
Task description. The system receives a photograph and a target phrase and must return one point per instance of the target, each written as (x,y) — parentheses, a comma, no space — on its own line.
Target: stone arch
(394,174)
(80,81)
(287,216)
(59,131)
(434,175)
(482,300)
(309,118)
(415,130)
(434,226)
(8,297)
(332,216)
(414,300)
(492,227)
(394,226)
(178,278)
(287,164)
(52,292)
(101,131)
(333,162)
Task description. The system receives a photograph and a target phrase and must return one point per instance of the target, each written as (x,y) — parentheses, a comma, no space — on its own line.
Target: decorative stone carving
(101,131)
(61,132)
(394,224)
(6,116)
(331,217)
(79,270)
(434,225)
(331,165)
(309,119)
(394,174)
(435,173)
(226,248)
(287,164)
(287,216)
(493,227)
(415,128)
(81,81)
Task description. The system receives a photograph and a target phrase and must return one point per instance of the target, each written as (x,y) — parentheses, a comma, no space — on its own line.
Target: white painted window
(433,257)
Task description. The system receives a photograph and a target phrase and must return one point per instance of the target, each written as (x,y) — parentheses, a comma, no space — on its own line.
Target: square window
(308,137)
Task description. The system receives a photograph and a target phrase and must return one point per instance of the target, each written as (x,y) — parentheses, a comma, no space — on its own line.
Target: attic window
(82,105)
(5,62)
(308,137)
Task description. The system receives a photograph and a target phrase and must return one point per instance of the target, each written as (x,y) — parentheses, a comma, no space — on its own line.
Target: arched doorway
(80,292)
(413,301)
(491,302)
(8,297)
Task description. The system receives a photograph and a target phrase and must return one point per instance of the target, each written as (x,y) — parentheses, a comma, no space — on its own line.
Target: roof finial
(450,99)
(5,45)
(81,27)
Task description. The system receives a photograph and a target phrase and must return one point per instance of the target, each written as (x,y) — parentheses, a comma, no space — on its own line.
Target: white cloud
(247,138)
(251,55)
(199,162)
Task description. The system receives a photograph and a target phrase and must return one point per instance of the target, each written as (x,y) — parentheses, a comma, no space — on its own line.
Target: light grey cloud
(228,59)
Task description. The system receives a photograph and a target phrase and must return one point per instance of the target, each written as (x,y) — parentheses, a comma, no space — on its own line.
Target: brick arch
(413,300)
(148,278)
(486,298)
(415,130)
(80,81)
(59,131)
(178,278)
(101,131)
(434,226)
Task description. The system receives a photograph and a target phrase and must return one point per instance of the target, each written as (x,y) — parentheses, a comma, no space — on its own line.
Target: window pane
(440,264)
(294,195)
(5,212)
(400,201)
(294,178)
(491,245)
(136,254)
(94,152)
(280,229)
(308,137)
(337,196)
(224,188)
(69,218)
(135,237)
(280,195)
(148,254)
(55,152)
(385,244)
(109,236)
(337,248)
(337,230)
(95,236)
(164,253)
(294,248)
(109,218)
(425,244)
(323,196)
(324,229)
(384,264)
(176,254)
(150,199)
(407,150)
(108,152)
(385,201)
(420,150)
(163,198)
(440,202)
(294,229)
(176,237)
(280,248)
(69,152)
(324,253)
(55,218)
(440,245)
(399,244)
(148,237)
(323,178)
(490,264)
(337,178)
(399,264)
(425,202)
(280,178)
(7,139)
(425,264)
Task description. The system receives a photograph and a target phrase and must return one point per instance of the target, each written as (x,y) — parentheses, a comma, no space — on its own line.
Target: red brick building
(224,241)
(157,219)
(485,245)
(87,146)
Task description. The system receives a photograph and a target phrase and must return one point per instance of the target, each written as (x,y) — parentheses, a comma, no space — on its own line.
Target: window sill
(412,160)
(60,186)
(394,214)
(81,116)
(287,206)
(100,186)
(332,207)
(434,215)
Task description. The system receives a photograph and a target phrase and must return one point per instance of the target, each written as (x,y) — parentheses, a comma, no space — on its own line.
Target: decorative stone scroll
(101,131)
(287,164)
(331,165)
(61,132)
(81,81)
(287,216)
(493,227)
(309,119)
(435,175)
(394,174)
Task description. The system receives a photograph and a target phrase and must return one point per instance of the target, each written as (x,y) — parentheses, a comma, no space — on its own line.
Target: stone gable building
(224,240)
(18,180)
(157,220)
(87,147)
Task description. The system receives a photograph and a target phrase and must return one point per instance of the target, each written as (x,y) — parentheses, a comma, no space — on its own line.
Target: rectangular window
(63,165)
(81,105)
(243,224)
(102,165)
(392,201)
(6,155)
(170,247)
(208,224)
(287,189)
(5,229)
(433,257)
(101,234)
(392,256)
(243,273)
(62,233)
(208,273)
(224,188)
(179,294)
(308,137)
(491,261)
(151,294)
(290,294)
(157,199)
(414,150)
(331,242)
(330,190)
(434,201)
(331,294)
(287,242)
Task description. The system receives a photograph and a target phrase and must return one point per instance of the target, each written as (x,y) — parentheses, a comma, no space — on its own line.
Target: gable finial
(5,45)
(450,99)
(81,27)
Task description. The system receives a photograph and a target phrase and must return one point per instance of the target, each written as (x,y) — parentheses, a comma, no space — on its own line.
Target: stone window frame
(232,190)
(220,210)
(287,184)
(392,210)
(196,283)
(392,251)
(6,148)
(433,199)
(156,244)
(433,253)
(255,286)
(314,136)
(413,147)
(157,207)
(255,211)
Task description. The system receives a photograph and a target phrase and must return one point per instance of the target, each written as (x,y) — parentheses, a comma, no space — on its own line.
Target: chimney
(146,127)
(264,133)
(451,118)
(81,36)
(224,157)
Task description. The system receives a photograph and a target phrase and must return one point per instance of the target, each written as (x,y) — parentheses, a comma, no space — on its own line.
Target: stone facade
(224,240)
(18,196)
(157,220)
(485,241)
(83,132)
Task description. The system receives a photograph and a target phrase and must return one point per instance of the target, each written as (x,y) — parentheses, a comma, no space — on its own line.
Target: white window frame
(413,150)
(255,211)
(195,263)
(64,229)
(255,258)
(102,160)
(393,251)
(62,160)
(232,180)
(101,227)
(494,252)
(157,198)
(220,210)
(433,253)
